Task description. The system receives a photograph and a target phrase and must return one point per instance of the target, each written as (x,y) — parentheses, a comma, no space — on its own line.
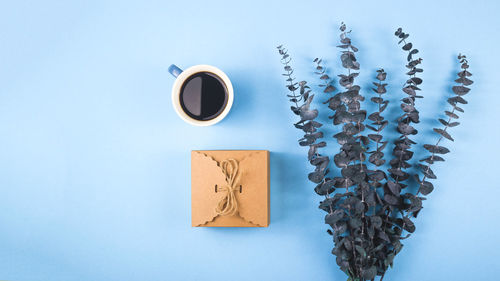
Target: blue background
(95,164)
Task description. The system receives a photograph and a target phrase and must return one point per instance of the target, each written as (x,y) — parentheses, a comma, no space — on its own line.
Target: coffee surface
(203,96)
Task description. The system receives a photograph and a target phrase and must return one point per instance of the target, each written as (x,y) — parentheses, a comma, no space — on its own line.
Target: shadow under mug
(184,79)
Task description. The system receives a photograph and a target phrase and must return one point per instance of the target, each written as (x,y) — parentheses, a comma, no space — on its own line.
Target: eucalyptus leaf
(376,159)
(395,188)
(376,221)
(459,109)
(349,61)
(443,133)
(451,114)
(427,171)
(416,80)
(377,175)
(316,176)
(360,250)
(329,89)
(334,217)
(457,99)
(432,159)
(436,149)
(408,225)
(308,114)
(407,46)
(460,90)
(391,199)
(464,80)
(426,187)
(375,137)
(444,122)
(406,129)
(369,272)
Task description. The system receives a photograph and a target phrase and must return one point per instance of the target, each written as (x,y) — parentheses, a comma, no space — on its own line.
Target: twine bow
(228,206)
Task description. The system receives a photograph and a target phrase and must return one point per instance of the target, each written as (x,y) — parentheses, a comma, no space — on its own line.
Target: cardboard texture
(230,188)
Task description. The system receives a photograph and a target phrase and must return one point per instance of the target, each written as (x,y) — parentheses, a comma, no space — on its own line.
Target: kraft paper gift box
(230,188)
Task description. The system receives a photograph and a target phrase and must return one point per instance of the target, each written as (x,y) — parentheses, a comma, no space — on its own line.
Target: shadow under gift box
(230,188)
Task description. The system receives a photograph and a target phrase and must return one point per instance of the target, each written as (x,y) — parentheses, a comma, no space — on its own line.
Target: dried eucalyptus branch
(307,124)
(401,152)
(355,231)
(425,187)
(379,123)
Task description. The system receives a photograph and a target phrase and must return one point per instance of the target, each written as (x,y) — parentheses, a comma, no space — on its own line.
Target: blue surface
(95,164)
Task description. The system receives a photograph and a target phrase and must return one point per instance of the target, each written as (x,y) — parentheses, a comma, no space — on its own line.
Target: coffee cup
(202,95)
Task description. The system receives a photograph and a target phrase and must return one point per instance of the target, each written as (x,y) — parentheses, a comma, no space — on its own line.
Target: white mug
(183,76)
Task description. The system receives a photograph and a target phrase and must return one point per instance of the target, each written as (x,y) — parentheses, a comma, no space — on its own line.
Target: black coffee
(203,96)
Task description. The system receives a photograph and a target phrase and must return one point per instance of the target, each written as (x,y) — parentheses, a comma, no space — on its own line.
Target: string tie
(228,205)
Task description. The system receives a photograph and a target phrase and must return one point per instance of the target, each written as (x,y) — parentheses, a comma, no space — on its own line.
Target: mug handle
(174,70)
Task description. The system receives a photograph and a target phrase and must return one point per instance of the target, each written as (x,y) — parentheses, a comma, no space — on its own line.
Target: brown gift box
(230,188)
